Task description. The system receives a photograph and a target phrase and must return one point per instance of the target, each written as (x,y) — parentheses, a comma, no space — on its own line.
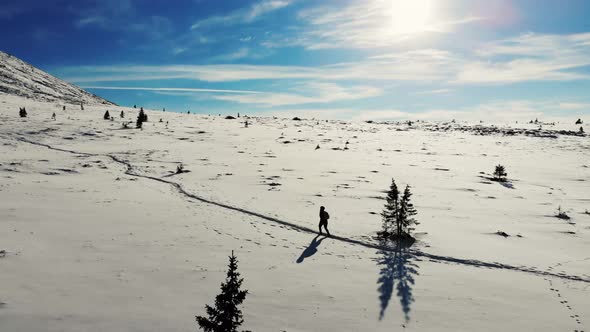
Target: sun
(411,16)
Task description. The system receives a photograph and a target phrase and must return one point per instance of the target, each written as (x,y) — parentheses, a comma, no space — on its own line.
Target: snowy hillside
(22,79)
(99,231)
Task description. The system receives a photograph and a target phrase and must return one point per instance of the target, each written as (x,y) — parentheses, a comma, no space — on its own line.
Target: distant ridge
(19,78)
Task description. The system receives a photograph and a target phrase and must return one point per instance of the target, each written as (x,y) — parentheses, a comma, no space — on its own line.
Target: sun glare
(411,16)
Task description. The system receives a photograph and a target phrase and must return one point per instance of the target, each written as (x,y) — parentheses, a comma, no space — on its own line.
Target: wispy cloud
(500,111)
(574,106)
(433,92)
(526,58)
(529,57)
(102,13)
(172,89)
(314,92)
(242,53)
(244,15)
(418,66)
(372,23)
(120,15)
(179,50)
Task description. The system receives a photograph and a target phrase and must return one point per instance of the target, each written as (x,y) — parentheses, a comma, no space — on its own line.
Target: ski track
(414,252)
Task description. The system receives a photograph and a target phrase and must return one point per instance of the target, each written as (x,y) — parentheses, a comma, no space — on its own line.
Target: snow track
(413,251)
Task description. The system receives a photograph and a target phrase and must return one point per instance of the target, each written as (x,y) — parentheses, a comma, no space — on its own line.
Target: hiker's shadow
(311,249)
(397,270)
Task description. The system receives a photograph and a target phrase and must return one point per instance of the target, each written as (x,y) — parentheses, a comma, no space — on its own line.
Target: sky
(344,59)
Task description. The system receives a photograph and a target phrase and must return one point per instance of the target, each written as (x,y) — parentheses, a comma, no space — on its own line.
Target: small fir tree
(225,316)
(139,122)
(407,212)
(390,212)
(106,115)
(141,118)
(500,173)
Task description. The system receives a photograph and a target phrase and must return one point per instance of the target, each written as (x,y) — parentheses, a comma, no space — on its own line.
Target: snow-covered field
(100,234)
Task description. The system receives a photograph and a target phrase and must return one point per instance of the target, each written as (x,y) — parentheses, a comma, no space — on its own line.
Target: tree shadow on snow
(311,249)
(397,271)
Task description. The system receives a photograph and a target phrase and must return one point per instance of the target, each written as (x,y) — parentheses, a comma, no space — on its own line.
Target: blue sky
(363,59)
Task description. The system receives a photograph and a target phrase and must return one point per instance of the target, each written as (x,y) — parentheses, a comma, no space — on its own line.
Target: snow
(101,235)
(20,78)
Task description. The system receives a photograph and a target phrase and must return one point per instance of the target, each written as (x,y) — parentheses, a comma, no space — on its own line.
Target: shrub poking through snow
(561,214)
(179,168)
(106,115)
(225,316)
(398,215)
(579,122)
(122,114)
(500,173)
(22,112)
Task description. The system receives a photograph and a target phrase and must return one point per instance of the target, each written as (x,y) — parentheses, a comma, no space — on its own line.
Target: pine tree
(106,115)
(390,211)
(141,118)
(407,212)
(226,316)
(500,173)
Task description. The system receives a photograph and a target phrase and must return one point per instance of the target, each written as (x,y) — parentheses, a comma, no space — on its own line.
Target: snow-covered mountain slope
(22,79)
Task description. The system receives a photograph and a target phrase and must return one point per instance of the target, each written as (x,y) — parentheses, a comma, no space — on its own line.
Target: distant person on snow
(324,216)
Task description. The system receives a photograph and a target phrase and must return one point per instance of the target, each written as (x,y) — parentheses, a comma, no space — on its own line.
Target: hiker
(324,216)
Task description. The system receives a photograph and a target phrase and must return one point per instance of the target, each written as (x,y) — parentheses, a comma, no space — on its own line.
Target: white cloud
(433,92)
(502,111)
(487,66)
(314,92)
(372,23)
(574,106)
(418,66)
(243,15)
(179,50)
(531,57)
(171,89)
